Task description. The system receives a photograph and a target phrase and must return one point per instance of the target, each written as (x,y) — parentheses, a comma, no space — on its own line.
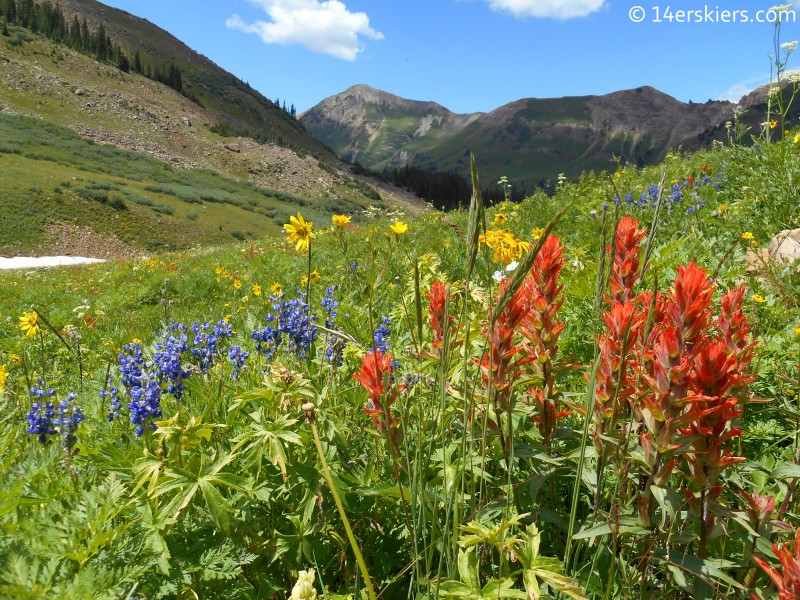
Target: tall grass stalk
(311,420)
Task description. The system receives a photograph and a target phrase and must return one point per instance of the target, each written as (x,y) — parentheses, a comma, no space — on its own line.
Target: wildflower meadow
(591,394)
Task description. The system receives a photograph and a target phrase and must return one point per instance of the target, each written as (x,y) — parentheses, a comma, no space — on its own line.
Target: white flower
(498,276)
(304,588)
(779,8)
(789,47)
(511,266)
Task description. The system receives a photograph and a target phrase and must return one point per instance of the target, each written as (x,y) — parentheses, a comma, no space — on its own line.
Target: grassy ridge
(52,175)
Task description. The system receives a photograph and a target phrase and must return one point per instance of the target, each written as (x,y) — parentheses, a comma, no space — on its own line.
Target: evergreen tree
(123,64)
(293,111)
(5,28)
(86,40)
(101,49)
(137,62)
(75,33)
(11,11)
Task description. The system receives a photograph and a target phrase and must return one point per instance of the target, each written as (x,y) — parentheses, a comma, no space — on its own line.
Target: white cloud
(735,92)
(547,9)
(326,27)
(742,88)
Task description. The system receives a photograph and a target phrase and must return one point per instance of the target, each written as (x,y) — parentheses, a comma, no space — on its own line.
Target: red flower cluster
(376,377)
(437,299)
(524,339)
(788,582)
(680,370)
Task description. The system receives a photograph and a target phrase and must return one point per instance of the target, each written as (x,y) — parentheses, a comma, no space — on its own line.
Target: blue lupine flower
(652,191)
(41,418)
(629,197)
(293,322)
(141,387)
(69,417)
(167,359)
(334,346)
(677,195)
(382,334)
(205,345)
(115,402)
(43,421)
(145,405)
(237,357)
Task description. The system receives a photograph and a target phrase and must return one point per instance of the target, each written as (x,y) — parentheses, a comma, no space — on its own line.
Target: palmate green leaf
(185,436)
(268,437)
(147,470)
(549,570)
(204,474)
(496,535)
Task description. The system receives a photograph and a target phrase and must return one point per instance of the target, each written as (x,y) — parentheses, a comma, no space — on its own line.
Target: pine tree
(11,11)
(123,64)
(101,50)
(5,28)
(137,62)
(86,39)
(75,33)
(293,111)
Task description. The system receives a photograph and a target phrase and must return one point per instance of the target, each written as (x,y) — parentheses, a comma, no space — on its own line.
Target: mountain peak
(529,140)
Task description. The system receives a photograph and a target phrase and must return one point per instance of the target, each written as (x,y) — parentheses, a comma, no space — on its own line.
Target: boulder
(785,247)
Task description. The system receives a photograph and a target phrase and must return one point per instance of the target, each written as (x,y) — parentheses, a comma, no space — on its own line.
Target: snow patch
(35,262)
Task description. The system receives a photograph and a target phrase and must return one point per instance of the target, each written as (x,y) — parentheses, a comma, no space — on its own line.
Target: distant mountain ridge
(528,140)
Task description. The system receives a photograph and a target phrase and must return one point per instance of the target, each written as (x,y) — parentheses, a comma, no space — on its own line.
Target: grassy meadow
(592,394)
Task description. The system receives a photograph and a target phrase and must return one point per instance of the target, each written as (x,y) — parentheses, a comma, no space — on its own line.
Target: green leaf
(626,527)
(468,568)
(706,569)
(785,471)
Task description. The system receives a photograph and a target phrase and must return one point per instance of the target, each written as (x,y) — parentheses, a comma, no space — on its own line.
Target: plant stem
(312,421)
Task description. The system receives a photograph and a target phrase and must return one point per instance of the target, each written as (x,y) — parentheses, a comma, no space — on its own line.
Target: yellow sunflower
(29,323)
(3,377)
(300,231)
(276,288)
(399,228)
(340,220)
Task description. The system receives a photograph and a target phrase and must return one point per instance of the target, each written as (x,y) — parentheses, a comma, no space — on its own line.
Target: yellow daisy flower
(537,233)
(399,228)
(256,289)
(758,299)
(3,377)
(276,288)
(500,219)
(340,220)
(29,323)
(300,231)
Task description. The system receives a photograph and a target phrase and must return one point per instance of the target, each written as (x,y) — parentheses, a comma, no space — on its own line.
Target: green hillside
(50,176)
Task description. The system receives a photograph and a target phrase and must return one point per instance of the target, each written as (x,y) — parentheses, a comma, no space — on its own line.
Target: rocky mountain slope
(528,140)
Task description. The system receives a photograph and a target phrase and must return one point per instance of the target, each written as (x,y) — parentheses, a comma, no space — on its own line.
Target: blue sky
(476,55)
